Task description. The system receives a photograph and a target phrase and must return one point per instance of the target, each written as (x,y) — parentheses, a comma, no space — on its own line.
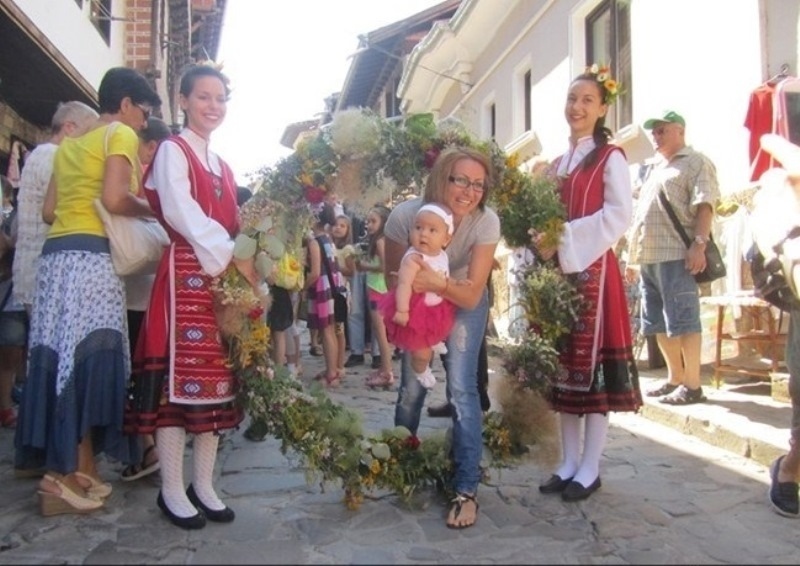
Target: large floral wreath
(365,159)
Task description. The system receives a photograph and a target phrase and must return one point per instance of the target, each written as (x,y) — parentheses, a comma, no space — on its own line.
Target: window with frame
(492,116)
(527,112)
(608,41)
(521,104)
(101,18)
(489,119)
(390,101)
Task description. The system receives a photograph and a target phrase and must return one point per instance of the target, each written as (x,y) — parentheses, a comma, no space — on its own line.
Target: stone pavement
(667,497)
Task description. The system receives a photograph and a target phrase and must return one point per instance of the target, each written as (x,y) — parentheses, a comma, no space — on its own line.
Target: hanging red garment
(760,121)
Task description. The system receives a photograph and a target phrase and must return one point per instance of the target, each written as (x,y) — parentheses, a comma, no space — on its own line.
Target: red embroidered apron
(597,356)
(180,376)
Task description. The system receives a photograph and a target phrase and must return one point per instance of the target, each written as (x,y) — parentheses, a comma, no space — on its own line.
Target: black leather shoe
(376,362)
(443,410)
(194,522)
(354,360)
(783,495)
(554,485)
(576,492)
(218,516)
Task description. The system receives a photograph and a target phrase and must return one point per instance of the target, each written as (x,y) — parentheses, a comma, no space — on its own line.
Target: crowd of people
(134,366)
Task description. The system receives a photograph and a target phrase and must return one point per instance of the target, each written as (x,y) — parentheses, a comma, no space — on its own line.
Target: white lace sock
(426,378)
(593,445)
(171,442)
(205,456)
(570,445)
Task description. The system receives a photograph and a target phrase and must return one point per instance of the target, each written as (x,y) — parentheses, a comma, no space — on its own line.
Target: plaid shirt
(689,178)
(32,230)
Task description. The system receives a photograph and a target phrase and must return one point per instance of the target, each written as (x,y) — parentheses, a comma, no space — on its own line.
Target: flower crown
(602,74)
(216,65)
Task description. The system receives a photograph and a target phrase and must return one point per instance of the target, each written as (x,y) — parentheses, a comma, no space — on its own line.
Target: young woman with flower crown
(600,373)
(182,381)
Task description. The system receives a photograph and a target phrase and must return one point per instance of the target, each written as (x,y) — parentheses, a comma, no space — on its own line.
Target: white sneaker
(439,348)
(292,370)
(426,378)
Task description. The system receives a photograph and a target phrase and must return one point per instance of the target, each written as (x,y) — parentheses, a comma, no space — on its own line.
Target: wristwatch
(702,240)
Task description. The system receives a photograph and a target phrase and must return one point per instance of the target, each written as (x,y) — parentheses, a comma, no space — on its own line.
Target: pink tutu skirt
(427,325)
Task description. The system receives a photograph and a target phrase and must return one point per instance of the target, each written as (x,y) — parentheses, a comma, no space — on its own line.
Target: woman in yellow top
(79,361)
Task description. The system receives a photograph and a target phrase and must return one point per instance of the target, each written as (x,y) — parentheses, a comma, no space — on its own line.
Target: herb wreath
(365,159)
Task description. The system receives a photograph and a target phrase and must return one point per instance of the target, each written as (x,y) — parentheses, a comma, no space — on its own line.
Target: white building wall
(70,30)
(701,58)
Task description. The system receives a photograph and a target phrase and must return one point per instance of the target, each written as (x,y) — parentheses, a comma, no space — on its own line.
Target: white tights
(585,468)
(171,443)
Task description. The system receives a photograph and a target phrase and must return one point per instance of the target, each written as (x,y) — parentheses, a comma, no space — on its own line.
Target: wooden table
(766,328)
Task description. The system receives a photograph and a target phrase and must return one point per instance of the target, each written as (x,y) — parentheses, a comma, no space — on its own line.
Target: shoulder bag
(137,243)
(715,267)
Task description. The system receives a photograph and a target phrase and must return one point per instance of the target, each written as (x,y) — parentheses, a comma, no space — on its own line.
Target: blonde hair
(346,240)
(439,177)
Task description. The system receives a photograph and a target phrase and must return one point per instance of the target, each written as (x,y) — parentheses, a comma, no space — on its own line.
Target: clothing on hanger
(761,119)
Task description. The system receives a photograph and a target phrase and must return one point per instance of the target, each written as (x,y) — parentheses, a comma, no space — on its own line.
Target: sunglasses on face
(146,110)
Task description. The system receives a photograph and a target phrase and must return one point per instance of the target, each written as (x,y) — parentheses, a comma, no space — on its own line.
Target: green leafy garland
(358,157)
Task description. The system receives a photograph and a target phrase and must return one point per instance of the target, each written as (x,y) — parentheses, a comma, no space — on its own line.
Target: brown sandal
(147,466)
(457,506)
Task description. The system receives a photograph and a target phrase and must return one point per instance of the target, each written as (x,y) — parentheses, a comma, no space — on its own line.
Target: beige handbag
(137,243)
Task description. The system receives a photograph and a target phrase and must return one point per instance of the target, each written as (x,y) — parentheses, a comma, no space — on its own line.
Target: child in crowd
(376,288)
(419,322)
(342,236)
(319,294)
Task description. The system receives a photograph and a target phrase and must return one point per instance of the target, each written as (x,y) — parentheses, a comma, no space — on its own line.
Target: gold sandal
(457,506)
(68,501)
(96,487)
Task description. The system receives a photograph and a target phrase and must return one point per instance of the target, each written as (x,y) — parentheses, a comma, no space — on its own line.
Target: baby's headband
(439,211)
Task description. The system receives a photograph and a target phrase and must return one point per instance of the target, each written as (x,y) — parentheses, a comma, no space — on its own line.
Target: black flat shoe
(354,360)
(555,484)
(218,516)
(194,522)
(576,492)
(440,411)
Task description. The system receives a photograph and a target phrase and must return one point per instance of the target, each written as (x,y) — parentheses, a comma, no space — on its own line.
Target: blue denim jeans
(357,312)
(670,299)
(356,316)
(461,366)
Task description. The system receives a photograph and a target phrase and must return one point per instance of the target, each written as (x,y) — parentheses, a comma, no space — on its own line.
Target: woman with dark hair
(182,382)
(461,179)
(79,363)
(600,372)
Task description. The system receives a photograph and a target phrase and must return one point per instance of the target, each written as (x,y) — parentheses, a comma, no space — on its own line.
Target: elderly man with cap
(661,260)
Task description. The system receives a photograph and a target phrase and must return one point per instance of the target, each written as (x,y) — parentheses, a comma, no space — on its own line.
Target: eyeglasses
(146,110)
(465,183)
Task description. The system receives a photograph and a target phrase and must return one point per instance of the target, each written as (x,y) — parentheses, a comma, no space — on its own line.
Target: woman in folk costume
(600,373)
(182,382)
